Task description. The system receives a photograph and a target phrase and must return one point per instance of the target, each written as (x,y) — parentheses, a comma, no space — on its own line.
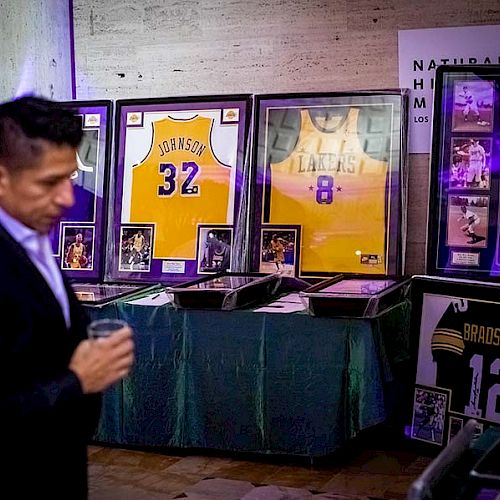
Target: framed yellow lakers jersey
(178,179)
(333,166)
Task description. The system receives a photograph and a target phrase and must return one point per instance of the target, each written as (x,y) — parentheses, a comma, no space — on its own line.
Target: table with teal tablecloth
(253,382)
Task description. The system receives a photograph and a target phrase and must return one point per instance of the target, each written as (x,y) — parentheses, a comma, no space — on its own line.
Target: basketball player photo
(214,249)
(278,251)
(467,221)
(135,248)
(473,106)
(429,415)
(78,248)
(470,166)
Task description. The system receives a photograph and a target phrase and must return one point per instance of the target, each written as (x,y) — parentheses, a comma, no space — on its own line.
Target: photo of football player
(429,412)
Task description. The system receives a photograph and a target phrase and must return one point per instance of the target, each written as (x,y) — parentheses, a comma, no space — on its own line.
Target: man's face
(79,238)
(37,196)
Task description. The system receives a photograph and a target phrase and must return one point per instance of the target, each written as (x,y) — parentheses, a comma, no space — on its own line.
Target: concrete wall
(188,47)
(35,48)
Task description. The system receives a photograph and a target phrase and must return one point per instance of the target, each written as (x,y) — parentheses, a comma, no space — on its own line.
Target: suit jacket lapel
(36,280)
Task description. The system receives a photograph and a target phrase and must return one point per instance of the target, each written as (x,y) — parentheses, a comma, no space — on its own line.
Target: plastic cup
(104,327)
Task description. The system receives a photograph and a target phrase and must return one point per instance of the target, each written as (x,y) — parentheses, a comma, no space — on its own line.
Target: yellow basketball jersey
(179,184)
(337,193)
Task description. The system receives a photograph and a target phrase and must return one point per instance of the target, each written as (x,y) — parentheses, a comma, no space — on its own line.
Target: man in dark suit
(50,373)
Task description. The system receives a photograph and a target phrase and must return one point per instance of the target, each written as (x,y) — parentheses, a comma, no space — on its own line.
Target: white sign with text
(421,51)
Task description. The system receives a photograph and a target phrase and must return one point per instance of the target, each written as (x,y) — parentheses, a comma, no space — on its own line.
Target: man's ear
(4,179)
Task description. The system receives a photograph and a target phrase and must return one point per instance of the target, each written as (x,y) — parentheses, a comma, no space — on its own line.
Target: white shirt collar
(16,229)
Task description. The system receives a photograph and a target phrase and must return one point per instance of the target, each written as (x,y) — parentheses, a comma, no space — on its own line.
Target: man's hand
(99,363)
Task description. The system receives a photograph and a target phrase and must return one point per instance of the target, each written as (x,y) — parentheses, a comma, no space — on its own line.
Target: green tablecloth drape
(253,382)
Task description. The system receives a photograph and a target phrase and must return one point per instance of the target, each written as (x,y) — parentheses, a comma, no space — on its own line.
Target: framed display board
(78,239)
(463,237)
(355,295)
(225,291)
(333,166)
(178,187)
(455,342)
(103,293)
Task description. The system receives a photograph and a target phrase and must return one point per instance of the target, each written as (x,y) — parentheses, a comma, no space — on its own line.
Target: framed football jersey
(455,345)
(78,240)
(463,236)
(334,166)
(179,181)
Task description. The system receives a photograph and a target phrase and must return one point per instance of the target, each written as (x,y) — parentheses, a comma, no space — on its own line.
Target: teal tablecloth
(253,382)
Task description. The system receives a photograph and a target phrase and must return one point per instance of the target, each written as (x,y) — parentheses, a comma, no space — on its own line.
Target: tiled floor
(369,471)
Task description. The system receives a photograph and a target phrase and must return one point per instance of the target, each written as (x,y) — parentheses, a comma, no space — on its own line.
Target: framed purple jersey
(463,237)
(334,166)
(455,345)
(179,178)
(78,240)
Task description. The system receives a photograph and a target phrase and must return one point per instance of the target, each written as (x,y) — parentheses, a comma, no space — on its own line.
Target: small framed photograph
(468,221)
(479,430)
(85,296)
(473,106)
(429,414)
(455,426)
(214,245)
(78,248)
(135,248)
(279,249)
(470,165)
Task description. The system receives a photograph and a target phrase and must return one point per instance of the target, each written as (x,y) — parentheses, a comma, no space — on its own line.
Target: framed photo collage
(315,187)
(463,237)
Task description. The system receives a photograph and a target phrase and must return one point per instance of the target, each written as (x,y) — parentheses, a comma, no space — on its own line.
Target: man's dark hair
(26,123)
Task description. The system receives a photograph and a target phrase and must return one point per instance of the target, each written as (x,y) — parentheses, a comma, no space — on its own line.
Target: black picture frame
(463,240)
(455,349)
(362,134)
